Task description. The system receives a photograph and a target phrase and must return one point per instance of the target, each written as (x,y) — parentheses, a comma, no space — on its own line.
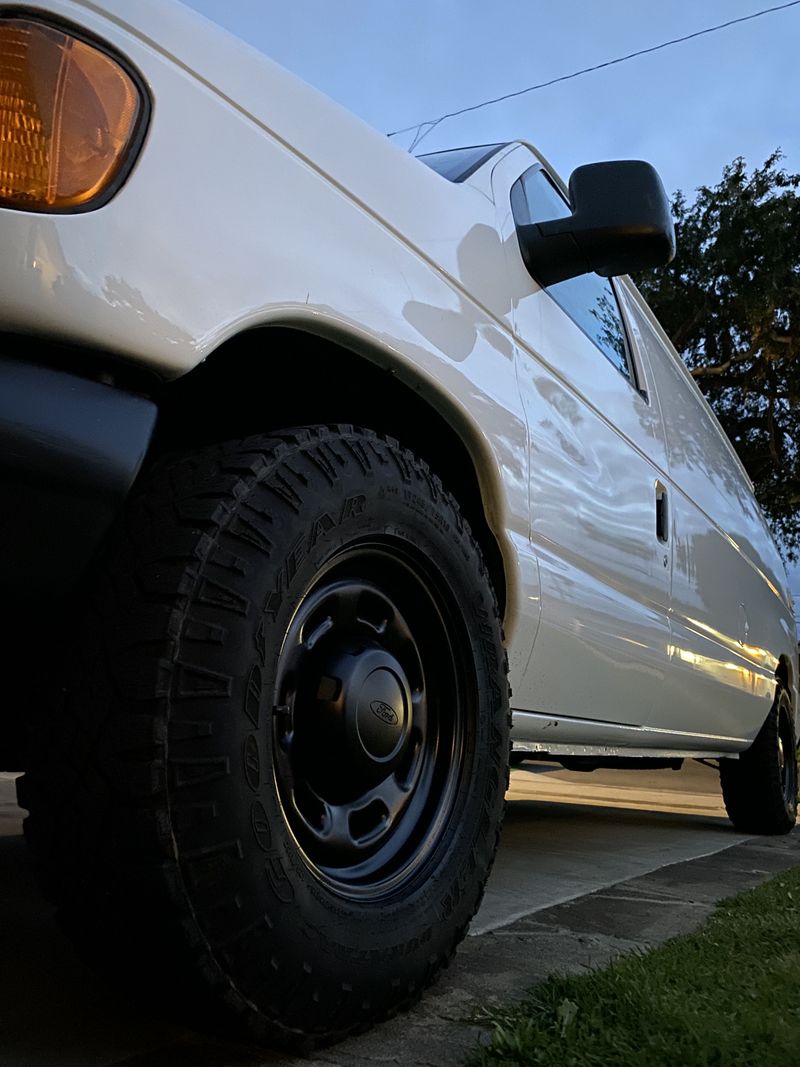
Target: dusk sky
(688,109)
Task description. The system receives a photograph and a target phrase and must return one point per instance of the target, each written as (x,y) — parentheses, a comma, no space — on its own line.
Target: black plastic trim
(137,138)
(82,361)
(70,449)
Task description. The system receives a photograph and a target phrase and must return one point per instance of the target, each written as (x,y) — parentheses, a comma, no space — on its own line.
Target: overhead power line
(422,129)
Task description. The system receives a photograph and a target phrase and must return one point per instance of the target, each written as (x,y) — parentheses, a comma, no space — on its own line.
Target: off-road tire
(760,788)
(158,800)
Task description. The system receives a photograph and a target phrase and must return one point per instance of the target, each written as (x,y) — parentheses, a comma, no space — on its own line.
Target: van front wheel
(276,781)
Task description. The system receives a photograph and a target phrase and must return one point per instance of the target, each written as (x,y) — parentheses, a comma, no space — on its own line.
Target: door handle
(662,514)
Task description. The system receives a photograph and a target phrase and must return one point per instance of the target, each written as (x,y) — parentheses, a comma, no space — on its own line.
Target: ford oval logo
(384,712)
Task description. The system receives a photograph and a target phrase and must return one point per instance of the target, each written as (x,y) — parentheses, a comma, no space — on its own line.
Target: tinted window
(589,300)
(456,164)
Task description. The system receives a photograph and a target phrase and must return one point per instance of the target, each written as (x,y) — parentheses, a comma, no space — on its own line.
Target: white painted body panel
(596,451)
(729,610)
(257,202)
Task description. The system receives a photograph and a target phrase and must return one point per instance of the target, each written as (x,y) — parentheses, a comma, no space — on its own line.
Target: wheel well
(783,672)
(240,390)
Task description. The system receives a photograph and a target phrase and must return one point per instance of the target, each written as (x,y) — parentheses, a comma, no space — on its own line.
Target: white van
(310,449)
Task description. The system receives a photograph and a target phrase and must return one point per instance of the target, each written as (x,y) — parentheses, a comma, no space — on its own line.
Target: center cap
(382,713)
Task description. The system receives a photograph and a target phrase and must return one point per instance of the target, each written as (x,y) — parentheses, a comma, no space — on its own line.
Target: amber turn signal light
(68,114)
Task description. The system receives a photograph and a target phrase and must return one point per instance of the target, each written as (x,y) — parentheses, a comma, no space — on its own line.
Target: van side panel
(729,620)
(596,447)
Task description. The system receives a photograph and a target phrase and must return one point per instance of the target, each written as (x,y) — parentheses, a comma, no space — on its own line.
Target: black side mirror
(620,223)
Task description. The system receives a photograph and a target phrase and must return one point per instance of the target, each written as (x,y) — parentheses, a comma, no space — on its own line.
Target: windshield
(457,164)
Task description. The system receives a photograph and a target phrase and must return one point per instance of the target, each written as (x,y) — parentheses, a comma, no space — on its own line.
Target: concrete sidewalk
(496,968)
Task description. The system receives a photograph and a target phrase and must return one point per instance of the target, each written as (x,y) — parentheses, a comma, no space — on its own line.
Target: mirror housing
(620,223)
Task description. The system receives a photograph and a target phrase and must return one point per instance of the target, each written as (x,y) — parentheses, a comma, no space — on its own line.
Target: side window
(588,300)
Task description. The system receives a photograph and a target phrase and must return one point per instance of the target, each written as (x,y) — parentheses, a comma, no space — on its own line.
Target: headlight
(69,117)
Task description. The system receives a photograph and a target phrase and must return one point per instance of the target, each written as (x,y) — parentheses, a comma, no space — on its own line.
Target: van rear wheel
(760,788)
(276,781)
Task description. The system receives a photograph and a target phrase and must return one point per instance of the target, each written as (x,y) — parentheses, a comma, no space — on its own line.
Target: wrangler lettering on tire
(297,707)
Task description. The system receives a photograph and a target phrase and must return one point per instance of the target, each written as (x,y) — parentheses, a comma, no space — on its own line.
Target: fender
(251,205)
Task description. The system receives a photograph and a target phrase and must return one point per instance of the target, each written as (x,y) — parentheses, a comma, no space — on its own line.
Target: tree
(730,301)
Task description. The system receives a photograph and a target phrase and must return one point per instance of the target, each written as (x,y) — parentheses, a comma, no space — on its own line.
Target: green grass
(726,996)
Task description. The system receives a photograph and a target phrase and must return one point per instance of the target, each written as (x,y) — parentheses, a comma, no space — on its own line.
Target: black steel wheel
(760,788)
(275,786)
(372,718)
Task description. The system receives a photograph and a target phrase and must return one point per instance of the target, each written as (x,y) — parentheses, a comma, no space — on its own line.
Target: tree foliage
(730,301)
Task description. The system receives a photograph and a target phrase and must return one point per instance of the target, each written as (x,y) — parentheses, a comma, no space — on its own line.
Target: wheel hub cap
(362,712)
(382,713)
